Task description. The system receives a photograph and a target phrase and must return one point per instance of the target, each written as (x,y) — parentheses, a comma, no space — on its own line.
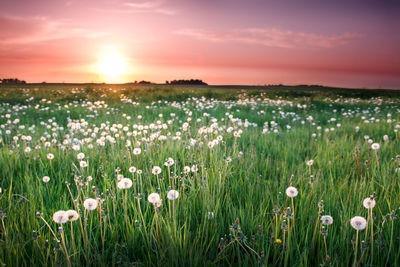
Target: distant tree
(145,82)
(12,81)
(188,82)
(167,82)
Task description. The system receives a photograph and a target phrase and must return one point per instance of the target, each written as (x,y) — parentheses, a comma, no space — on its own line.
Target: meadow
(124,175)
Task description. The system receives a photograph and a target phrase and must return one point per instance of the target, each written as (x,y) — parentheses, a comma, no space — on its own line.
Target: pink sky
(353,43)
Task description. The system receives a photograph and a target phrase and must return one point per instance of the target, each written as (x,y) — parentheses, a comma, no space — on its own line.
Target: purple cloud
(25,30)
(150,6)
(272,37)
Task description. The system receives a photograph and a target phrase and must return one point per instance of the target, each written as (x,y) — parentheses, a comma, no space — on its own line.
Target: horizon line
(198,85)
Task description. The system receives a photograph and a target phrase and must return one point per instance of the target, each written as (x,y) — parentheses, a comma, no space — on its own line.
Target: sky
(348,43)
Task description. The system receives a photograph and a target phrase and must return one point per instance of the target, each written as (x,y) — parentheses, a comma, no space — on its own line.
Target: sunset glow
(112,67)
(340,43)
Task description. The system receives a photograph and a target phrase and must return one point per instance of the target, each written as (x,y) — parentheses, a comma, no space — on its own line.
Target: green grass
(233,211)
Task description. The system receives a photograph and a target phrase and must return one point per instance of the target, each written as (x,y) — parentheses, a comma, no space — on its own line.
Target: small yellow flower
(278,241)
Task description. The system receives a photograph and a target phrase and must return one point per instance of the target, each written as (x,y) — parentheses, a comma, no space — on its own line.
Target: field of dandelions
(120,176)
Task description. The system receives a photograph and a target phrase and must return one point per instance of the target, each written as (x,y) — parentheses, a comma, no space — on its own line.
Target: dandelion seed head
(60,217)
(158,203)
(358,223)
(153,198)
(156,170)
(72,215)
(83,164)
(326,220)
(291,191)
(137,151)
(125,183)
(169,162)
(186,169)
(172,194)
(375,146)
(369,203)
(90,204)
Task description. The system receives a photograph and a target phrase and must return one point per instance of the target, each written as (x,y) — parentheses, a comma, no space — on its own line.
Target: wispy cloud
(25,30)
(150,7)
(272,37)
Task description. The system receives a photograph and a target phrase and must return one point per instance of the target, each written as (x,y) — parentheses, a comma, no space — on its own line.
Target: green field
(230,153)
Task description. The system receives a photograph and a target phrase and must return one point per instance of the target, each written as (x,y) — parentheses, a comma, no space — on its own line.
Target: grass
(232,210)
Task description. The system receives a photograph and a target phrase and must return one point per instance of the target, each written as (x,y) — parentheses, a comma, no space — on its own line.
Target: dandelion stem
(85,230)
(72,238)
(294,230)
(288,244)
(140,211)
(390,245)
(155,218)
(169,178)
(51,230)
(356,250)
(126,208)
(326,247)
(158,181)
(65,248)
(276,225)
(372,237)
(173,217)
(108,213)
(4,228)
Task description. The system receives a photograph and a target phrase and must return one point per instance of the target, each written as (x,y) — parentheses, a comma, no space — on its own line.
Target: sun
(112,66)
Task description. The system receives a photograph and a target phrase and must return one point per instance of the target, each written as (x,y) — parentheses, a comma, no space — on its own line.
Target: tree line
(186,82)
(12,81)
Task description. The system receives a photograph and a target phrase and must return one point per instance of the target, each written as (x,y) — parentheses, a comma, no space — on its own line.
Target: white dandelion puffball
(132,169)
(46,179)
(153,198)
(169,162)
(50,156)
(194,168)
(83,164)
(358,223)
(375,146)
(72,215)
(369,203)
(60,217)
(156,170)
(326,220)
(291,191)
(125,183)
(158,203)
(90,204)
(310,162)
(172,194)
(80,156)
(137,151)
(186,169)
